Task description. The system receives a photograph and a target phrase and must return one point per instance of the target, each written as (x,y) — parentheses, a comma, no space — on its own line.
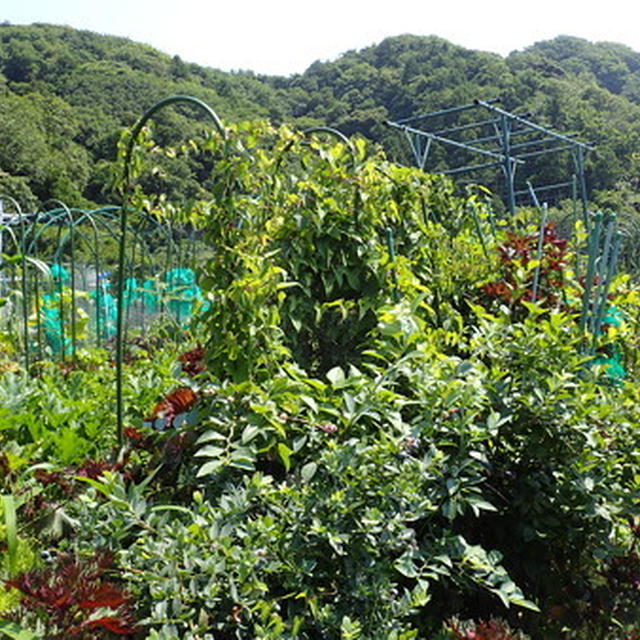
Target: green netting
(59,290)
(59,274)
(149,295)
(611,356)
(105,314)
(183,294)
(613,316)
(52,323)
(131,292)
(52,312)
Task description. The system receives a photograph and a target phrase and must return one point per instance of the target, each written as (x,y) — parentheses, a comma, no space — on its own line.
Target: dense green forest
(66,95)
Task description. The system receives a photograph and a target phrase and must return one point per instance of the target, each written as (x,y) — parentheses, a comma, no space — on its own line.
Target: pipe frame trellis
(63,212)
(506,126)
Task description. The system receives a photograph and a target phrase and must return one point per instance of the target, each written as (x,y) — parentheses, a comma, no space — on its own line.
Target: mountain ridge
(65,95)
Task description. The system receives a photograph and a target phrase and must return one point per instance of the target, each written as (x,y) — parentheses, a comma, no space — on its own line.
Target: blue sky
(286,36)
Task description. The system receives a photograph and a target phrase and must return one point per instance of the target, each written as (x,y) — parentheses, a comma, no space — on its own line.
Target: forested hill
(65,96)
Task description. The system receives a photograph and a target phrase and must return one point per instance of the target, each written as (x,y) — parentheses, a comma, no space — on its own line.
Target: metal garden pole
(536,273)
(602,269)
(507,164)
(593,245)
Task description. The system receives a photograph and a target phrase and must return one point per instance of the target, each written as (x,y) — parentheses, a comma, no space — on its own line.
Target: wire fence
(59,275)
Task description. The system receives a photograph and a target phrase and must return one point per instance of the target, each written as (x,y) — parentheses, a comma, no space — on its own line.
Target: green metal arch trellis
(127,188)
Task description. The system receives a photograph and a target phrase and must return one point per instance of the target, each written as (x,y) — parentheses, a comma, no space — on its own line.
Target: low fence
(58,279)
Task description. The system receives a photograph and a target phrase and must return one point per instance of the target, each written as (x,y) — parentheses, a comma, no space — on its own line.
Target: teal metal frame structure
(503,140)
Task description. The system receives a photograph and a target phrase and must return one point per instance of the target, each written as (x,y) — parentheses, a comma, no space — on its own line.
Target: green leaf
(285,455)
(172,507)
(420,595)
(450,509)
(16,632)
(350,629)
(310,402)
(9,507)
(298,443)
(308,471)
(350,405)
(210,451)
(479,504)
(406,566)
(210,467)
(335,376)
(207,436)
(249,433)
(463,367)
(242,458)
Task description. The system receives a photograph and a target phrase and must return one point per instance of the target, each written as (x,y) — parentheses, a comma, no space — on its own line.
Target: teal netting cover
(183,294)
(51,312)
(149,295)
(53,324)
(130,293)
(612,356)
(175,292)
(59,274)
(106,309)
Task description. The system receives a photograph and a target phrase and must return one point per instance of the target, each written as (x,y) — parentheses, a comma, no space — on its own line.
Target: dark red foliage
(139,348)
(67,367)
(484,630)
(59,478)
(141,440)
(119,625)
(193,361)
(175,402)
(5,469)
(64,479)
(133,434)
(105,596)
(4,464)
(61,485)
(94,469)
(70,591)
(499,289)
(623,574)
(516,252)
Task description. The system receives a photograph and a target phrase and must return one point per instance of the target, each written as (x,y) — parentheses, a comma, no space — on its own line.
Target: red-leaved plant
(516,253)
(484,630)
(193,361)
(74,600)
(56,487)
(176,402)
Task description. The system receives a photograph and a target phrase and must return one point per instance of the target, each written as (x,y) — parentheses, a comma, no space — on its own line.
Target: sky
(283,37)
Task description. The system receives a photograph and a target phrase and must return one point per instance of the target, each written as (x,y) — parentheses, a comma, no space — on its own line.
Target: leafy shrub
(325,237)
(379,447)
